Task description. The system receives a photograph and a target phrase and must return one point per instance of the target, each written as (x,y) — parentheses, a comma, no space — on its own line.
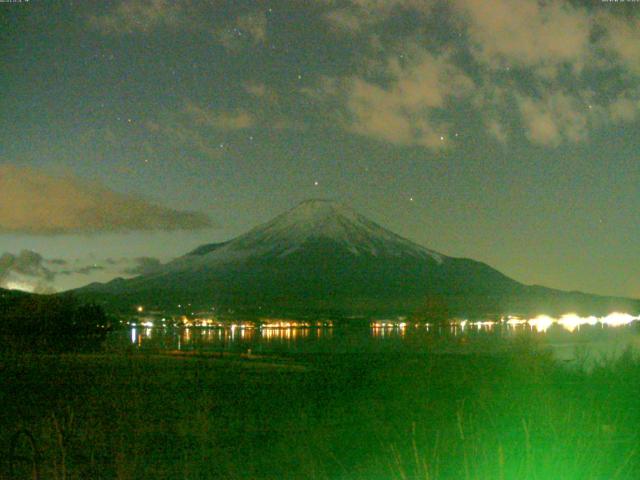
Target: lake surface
(570,343)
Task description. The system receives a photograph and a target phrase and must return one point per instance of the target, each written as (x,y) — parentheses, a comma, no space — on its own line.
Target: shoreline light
(541,323)
(572,322)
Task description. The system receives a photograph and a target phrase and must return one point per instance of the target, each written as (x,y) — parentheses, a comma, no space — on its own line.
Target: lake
(569,341)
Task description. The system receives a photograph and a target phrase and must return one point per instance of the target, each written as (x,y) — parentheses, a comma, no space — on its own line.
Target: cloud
(261,91)
(27,262)
(143,266)
(131,16)
(497,130)
(86,270)
(57,261)
(553,70)
(542,56)
(546,40)
(527,33)
(405,109)
(180,135)
(555,118)
(354,16)
(195,126)
(204,130)
(26,271)
(30,271)
(624,109)
(34,202)
(622,39)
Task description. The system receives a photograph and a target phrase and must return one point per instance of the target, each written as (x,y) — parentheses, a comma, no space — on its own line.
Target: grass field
(514,416)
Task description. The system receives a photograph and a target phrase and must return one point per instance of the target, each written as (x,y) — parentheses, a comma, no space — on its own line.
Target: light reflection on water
(567,337)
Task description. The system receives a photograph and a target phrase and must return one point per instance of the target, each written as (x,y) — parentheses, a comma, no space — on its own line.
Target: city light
(541,323)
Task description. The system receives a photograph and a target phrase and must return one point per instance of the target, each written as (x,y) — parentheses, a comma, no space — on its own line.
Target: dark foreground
(516,416)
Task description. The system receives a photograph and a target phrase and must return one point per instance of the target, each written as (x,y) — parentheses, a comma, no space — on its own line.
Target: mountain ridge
(322,256)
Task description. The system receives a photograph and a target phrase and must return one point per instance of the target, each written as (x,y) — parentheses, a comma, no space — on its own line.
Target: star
(315,183)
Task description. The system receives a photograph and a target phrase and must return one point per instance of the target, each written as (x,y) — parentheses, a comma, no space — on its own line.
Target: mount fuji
(323,258)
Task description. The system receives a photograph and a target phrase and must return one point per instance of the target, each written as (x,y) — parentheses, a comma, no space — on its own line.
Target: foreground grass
(514,416)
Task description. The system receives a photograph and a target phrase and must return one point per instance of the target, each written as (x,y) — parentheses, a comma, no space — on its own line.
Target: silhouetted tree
(53,321)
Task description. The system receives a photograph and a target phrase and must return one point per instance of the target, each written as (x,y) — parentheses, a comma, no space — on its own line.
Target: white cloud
(35,202)
(554,118)
(527,33)
(29,271)
(555,70)
(26,264)
(622,39)
(402,113)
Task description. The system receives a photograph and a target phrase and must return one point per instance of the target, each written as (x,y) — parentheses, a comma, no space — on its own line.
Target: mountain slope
(322,256)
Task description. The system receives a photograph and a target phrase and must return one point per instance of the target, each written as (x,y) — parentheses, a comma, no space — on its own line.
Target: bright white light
(570,322)
(617,319)
(541,323)
(484,324)
(14,285)
(514,321)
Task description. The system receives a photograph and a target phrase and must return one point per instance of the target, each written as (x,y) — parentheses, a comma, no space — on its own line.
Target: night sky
(507,131)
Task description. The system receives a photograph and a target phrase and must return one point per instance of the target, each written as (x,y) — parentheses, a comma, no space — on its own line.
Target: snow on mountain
(322,256)
(310,221)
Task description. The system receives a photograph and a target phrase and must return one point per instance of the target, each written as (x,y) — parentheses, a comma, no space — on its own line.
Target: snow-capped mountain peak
(317,221)
(322,257)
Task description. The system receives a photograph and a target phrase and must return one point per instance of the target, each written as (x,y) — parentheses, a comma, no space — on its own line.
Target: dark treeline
(52,322)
